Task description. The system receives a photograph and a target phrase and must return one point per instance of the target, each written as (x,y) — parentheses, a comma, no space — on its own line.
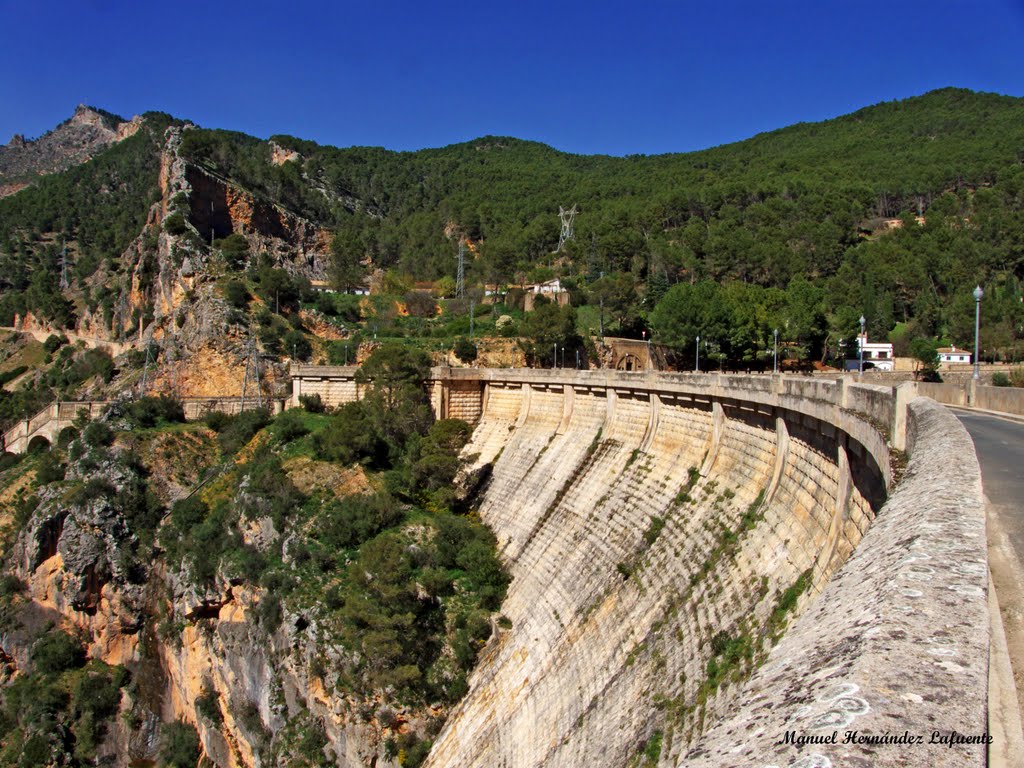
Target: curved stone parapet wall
(647,522)
(898,643)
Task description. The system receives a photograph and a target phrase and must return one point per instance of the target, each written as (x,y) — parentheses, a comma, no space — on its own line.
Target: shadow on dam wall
(660,543)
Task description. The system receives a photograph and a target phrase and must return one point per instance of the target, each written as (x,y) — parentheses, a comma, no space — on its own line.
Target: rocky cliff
(252,681)
(87,132)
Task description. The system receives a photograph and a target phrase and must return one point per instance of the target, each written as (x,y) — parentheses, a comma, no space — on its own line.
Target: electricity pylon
(566,217)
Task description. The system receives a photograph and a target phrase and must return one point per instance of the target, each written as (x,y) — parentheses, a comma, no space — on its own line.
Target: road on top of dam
(999,444)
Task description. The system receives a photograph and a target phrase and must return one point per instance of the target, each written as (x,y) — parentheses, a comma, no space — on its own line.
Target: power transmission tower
(252,371)
(566,217)
(460,278)
(64,267)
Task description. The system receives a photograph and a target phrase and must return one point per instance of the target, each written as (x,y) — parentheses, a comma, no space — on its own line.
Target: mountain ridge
(76,140)
(806,202)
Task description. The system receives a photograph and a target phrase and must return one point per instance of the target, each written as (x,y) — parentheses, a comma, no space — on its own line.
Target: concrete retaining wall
(973,395)
(1005,399)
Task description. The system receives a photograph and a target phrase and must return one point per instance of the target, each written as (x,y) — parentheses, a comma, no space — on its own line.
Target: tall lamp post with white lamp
(860,344)
(775,353)
(978,293)
(698,354)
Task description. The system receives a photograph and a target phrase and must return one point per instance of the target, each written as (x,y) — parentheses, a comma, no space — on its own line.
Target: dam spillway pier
(664,531)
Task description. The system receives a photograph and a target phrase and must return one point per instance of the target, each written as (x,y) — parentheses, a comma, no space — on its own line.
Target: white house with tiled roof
(953,355)
(877,355)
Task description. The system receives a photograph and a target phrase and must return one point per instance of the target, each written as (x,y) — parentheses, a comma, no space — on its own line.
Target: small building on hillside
(877,355)
(551,290)
(953,355)
(323,286)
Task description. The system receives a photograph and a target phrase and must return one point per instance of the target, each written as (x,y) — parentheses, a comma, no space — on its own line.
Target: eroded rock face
(74,554)
(202,653)
(220,208)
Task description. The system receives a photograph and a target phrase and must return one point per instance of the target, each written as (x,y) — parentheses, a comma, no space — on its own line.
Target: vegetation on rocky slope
(893,212)
(345,528)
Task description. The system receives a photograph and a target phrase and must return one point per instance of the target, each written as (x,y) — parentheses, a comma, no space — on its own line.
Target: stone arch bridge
(45,427)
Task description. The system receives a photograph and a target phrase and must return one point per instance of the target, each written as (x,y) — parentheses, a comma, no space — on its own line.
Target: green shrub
(56,652)
(98,691)
(238,430)
(217,420)
(269,612)
(235,249)
(465,350)
(49,469)
(8,460)
(54,342)
(270,492)
(147,412)
(179,745)
(11,375)
(351,436)
(296,344)
(1000,379)
(175,224)
(312,403)
(97,434)
(10,585)
(236,294)
(653,530)
(350,521)
(208,706)
(289,426)
(188,513)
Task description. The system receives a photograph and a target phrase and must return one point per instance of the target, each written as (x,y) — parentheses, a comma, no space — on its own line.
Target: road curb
(1004,723)
(983,412)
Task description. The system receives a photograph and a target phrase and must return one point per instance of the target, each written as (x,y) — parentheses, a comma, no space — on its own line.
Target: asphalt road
(999,444)
(1000,447)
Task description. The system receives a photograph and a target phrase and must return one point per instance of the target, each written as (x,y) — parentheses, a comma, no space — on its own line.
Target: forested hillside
(809,201)
(894,212)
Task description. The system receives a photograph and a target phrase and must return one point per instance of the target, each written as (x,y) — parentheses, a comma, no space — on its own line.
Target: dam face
(704,565)
(658,543)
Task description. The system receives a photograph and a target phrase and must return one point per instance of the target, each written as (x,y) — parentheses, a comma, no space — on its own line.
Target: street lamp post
(861,341)
(698,354)
(978,293)
(775,353)
(554,356)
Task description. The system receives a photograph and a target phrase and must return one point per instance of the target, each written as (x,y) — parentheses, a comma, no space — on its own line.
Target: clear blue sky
(587,77)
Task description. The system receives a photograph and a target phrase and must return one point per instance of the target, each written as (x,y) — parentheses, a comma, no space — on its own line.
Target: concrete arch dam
(665,531)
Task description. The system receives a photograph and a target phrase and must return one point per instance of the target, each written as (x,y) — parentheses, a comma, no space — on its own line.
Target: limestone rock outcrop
(82,136)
